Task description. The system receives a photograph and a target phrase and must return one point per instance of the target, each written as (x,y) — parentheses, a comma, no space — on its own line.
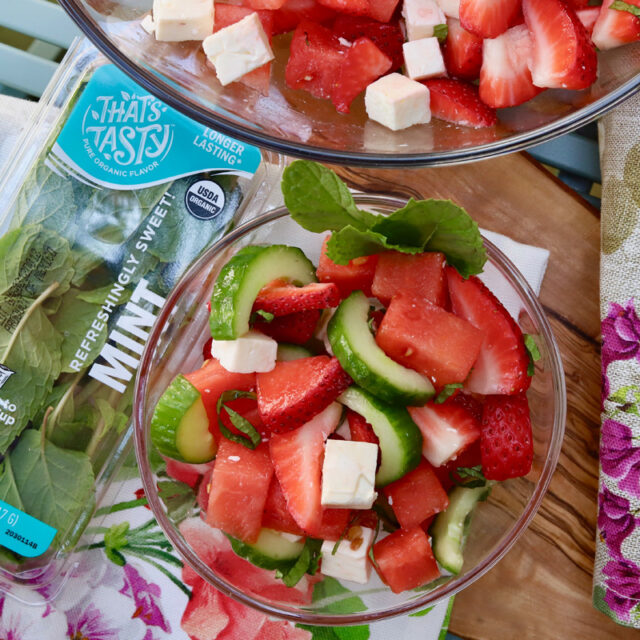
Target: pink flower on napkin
(619,457)
(146,597)
(622,586)
(615,521)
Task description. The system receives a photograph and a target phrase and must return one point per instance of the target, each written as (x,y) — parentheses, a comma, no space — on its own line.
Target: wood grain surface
(542,588)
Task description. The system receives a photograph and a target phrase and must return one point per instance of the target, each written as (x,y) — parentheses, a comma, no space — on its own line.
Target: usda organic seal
(204,199)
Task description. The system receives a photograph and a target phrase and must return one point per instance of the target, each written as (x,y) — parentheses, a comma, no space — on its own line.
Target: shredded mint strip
(533,351)
(447,391)
(319,201)
(307,562)
(441,31)
(253,438)
(470,477)
(619,5)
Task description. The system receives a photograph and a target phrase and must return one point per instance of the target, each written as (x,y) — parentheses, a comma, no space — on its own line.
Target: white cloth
(14,115)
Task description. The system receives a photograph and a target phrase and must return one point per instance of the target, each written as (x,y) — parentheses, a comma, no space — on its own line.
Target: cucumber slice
(287,352)
(272,550)
(370,367)
(450,529)
(241,279)
(180,425)
(400,438)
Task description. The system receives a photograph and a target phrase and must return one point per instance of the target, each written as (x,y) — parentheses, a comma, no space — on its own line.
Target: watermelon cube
(404,559)
(293,12)
(239,486)
(421,275)
(382,10)
(416,496)
(425,337)
(355,7)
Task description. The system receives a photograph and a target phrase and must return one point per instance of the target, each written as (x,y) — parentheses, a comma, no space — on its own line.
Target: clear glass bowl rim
(174,98)
(507,269)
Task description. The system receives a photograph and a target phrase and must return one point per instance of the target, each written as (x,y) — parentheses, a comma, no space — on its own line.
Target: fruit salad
(457,60)
(351,414)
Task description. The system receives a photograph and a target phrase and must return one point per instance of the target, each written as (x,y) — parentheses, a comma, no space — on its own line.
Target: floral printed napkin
(617,566)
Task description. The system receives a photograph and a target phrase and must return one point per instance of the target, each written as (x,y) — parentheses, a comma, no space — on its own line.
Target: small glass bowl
(175,346)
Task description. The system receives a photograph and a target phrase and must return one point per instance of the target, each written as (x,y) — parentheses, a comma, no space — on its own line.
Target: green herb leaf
(307,562)
(178,497)
(441,31)
(470,477)
(447,391)
(619,5)
(240,423)
(318,200)
(533,351)
(264,315)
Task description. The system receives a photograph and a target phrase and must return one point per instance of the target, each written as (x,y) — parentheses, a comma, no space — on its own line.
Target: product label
(121,137)
(23,534)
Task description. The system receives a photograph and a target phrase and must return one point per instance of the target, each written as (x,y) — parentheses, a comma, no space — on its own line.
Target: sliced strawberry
(563,55)
(501,367)
(387,37)
(281,298)
(506,442)
(363,64)
(297,457)
(296,328)
(468,402)
(333,524)
(589,16)
(488,18)
(462,51)
(276,513)
(614,28)
(468,457)
(458,102)
(360,429)
(447,429)
(296,391)
(505,79)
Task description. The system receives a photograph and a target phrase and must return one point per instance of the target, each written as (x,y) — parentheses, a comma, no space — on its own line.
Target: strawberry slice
(505,79)
(563,55)
(296,328)
(296,391)
(506,443)
(276,513)
(360,429)
(502,364)
(614,28)
(589,16)
(281,298)
(462,51)
(297,457)
(447,429)
(456,101)
(488,18)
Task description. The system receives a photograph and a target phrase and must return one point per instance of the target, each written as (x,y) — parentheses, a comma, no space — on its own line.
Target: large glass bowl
(175,346)
(294,123)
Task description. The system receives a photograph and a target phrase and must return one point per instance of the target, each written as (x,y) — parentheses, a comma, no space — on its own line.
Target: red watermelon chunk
(293,12)
(447,429)
(360,429)
(293,392)
(363,64)
(416,496)
(355,7)
(281,298)
(297,457)
(276,514)
(421,275)
(296,328)
(239,487)
(404,559)
(357,275)
(333,524)
(382,10)
(425,337)
(259,4)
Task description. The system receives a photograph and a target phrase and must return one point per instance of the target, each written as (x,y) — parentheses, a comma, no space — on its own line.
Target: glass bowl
(294,123)
(175,346)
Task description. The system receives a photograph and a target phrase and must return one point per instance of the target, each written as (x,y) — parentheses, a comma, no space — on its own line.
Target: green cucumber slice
(400,438)
(287,352)
(180,426)
(370,367)
(272,550)
(241,279)
(449,531)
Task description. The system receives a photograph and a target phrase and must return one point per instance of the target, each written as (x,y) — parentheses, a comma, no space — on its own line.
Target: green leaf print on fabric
(620,226)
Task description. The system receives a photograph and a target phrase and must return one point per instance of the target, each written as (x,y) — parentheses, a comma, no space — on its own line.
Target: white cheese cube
(239,48)
(397,102)
(179,20)
(450,8)
(420,17)
(423,58)
(348,474)
(351,559)
(251,352)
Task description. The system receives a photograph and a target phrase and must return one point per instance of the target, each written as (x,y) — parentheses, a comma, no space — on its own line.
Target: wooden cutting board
(542,588)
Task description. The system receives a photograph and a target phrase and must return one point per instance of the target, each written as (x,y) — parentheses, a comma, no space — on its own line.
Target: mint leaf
(619,5)
(533,351)
(441,31)
(447,391)
(318,200)
(178,497)
(259,314)
(307,562)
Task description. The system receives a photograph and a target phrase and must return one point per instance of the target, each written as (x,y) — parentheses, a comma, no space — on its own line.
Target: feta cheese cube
(397,102)
(423,58)
(348,474)
(450,8)
(351,559)
(179,20)
(251,352)
(239,48)
(420,17)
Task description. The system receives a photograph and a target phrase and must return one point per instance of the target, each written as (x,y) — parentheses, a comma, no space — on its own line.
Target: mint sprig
(533,352)
(319,201)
